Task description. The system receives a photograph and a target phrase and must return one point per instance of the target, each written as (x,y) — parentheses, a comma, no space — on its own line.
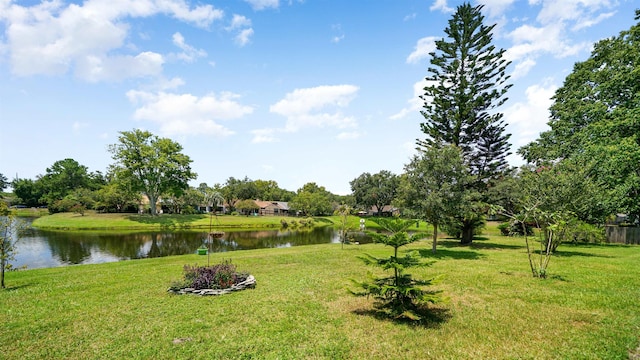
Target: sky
(294,91)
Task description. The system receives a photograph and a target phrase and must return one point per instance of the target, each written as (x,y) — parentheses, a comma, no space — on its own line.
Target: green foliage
(515,228)
(377,190)
(397,295)
(247,207)
(435,185)
(10,229)
(28,191)
(594,122)
(153,165)
(466,84)
(312,200)
(219,276)
(343,212)
(4,182)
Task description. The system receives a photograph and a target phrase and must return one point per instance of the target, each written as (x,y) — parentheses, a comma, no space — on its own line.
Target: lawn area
(97,221)
(300,309)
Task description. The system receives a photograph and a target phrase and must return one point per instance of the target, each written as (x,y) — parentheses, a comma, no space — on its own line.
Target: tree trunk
(2,266)
(435,237)
(467,233)
(152,204)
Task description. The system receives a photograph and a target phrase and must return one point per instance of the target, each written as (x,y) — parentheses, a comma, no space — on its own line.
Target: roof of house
(282,205)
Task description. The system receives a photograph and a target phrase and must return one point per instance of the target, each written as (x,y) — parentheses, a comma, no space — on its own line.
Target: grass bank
(300,309)
(97,221)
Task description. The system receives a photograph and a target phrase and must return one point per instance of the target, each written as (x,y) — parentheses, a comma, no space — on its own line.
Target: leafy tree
(434,186)
(467,83)
(343,212)
(552,198)
(595,119)
(10,229)
(4,183)
(237,189)
(155,166)
(397,295)
(116,197)
(212,197)
(28,191)
(247,207)
(375,190)
(312,200)
(65,176)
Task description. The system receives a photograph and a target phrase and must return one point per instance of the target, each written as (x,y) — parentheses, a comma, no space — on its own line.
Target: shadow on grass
(450,254)
(432,318)
(453,243)
(167,222)
(564,253)
(15,288)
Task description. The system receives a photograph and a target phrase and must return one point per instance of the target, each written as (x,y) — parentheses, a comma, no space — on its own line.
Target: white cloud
(264,136)
(350,135)
(529,118)
(239,21)
(189,53)
(244,37)
(52,38)
(115,68)
(441,5)
(531,41)
(186,114)
(243,27)
(575,10)
(415,103)
(496,8)
(410,17)
(522,68)
(263,4)
(316,107)
(423,47)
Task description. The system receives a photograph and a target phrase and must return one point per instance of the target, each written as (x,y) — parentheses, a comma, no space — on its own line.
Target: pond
(41,249)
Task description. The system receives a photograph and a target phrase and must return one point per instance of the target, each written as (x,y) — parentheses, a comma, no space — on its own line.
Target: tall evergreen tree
(466,84)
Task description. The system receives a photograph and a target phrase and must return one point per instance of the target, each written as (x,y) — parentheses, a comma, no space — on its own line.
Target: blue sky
(286,90)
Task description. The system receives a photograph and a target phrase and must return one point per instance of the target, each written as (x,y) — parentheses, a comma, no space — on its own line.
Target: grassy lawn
(97,221)
(300,308)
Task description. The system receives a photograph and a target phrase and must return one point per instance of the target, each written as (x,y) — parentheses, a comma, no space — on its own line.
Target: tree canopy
(466,84)
(375,190)
(156,166)
(434,186)
(595,119)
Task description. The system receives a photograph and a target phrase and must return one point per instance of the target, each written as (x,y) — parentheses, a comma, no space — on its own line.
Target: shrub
(219,276)
(397,295)
(514,228)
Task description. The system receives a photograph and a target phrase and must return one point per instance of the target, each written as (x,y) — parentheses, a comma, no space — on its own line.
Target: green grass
(300,309)
(97,221)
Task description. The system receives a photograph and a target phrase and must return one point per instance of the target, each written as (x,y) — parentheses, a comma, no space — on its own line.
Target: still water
(40,248)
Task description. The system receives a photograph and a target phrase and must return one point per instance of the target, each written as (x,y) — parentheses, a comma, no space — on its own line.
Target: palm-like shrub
(398,295)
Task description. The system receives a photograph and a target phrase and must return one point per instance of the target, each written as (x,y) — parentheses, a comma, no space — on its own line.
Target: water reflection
(39,248)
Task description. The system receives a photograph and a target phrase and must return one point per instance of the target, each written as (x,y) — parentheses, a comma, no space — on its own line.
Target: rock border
(249,283)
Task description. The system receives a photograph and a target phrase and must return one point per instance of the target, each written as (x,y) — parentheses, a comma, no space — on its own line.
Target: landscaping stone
(248,283)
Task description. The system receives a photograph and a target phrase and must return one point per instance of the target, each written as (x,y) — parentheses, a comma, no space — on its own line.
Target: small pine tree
(397,295)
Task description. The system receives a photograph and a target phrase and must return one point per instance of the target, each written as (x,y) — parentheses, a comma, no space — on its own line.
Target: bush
(220,276)
(514,228)
(587,233)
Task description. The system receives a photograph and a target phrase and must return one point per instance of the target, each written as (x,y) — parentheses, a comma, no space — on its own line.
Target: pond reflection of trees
(80,247)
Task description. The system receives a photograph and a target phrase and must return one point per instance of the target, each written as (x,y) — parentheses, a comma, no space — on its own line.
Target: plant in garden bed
(398,295)
(219,276)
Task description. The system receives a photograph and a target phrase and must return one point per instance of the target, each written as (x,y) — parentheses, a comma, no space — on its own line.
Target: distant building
(279,208)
